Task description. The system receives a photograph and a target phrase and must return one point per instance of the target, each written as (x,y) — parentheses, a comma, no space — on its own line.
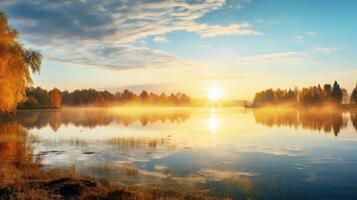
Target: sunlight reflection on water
(241,153)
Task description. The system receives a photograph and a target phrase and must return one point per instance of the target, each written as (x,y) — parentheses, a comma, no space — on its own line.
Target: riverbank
(29,181)
(346,107)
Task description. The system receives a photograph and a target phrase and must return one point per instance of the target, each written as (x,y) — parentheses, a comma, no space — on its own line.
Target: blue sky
(241,46)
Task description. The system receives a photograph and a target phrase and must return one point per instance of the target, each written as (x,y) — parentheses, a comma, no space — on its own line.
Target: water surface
(235,152)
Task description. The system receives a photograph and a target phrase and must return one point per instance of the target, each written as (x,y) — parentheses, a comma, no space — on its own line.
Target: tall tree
(55,98)
(16,64)
(336,93)
(353,98)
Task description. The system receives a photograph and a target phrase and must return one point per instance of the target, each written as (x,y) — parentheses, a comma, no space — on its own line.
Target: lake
(236,152)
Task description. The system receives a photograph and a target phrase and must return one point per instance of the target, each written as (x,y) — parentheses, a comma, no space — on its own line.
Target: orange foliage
(55,98)
(15,65)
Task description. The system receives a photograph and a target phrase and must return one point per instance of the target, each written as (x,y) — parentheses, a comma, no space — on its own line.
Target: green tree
(336,93)
(353,98)
(16,64)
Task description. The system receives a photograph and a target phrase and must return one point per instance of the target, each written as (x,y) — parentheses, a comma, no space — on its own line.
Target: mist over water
(236,152)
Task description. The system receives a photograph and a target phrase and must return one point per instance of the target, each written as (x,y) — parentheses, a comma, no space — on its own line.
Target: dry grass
(116,142)
(27,180)
(132,142)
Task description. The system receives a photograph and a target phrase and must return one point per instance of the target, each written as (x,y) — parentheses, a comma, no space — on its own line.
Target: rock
(70,190)
(5,193)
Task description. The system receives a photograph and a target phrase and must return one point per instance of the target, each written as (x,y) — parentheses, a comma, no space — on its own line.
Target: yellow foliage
(55,98)
(15,65)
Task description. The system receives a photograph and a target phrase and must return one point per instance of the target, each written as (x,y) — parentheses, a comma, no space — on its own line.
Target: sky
(238,46)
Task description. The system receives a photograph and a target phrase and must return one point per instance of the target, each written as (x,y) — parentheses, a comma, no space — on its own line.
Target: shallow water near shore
(224,152)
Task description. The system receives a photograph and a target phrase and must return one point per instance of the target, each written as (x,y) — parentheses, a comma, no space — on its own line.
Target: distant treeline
(315,95)
(41,98)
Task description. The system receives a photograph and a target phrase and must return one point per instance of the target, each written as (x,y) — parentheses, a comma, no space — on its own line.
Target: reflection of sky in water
(228,151)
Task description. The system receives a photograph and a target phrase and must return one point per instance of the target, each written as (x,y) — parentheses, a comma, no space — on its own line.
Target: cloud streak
(327,49)
(106,32)
(160,39)
(272,58)
(119,56)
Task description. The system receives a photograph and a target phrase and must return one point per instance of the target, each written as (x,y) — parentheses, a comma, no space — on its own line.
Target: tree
(315,95)
(144,96)
(55,98)
(353,98)
(16,64)
(327,91)
(336,93)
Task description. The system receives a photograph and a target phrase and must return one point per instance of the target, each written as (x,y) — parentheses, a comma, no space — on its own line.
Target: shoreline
(31,181)
(307,107)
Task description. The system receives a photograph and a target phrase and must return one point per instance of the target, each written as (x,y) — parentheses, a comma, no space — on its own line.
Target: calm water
(237,152)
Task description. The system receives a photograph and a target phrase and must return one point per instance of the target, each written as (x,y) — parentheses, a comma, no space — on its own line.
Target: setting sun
(214,93)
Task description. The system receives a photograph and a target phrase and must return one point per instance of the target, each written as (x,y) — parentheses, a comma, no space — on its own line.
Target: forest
(315,95)
(37,97)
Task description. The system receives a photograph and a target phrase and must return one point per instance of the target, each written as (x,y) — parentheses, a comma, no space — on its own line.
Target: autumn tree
(55,98)
(16,64)
(315,95)
(327,91)
(104,98)
(353,98)
(144,96)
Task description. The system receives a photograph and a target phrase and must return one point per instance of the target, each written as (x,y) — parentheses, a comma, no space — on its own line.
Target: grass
(116,142)
(133,142)
(23,177)
(27,180)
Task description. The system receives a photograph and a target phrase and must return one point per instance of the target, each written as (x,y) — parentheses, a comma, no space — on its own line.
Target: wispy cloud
(117,26)
(118,56)
(327,49)
(122,21)
(215,30)
(160,39)
(222,77)
(272,58)
(310,33)
(299,39)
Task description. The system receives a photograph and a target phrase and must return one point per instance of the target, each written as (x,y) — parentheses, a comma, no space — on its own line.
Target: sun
(214,93)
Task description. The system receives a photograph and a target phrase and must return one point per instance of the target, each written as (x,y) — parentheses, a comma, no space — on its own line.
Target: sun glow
(213,123)
(214,93)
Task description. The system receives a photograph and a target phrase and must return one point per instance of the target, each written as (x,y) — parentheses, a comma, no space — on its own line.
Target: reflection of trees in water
(327,121)
(13,142)
(92,118)
(353,116)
